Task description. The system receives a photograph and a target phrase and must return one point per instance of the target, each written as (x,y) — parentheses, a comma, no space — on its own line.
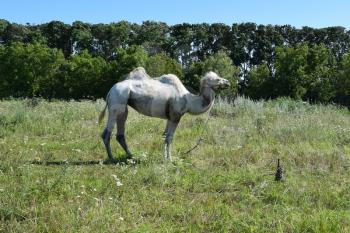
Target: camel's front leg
(169,134)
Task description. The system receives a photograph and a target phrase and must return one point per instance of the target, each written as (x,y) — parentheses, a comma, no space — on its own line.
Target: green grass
(224,185)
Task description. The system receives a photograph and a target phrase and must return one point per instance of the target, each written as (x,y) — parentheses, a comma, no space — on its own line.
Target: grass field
(53,179)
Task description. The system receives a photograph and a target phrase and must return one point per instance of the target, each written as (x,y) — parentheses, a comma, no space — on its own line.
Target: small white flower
(121,218)
(25,140)
(43,144)
(118,183)
(117,180)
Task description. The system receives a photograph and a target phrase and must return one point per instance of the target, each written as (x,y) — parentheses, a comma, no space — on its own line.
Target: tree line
(82,60)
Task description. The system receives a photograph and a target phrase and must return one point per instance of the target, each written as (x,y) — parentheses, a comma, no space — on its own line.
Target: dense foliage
(58,60)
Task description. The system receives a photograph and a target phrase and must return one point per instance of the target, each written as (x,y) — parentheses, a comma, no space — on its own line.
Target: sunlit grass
(223,185)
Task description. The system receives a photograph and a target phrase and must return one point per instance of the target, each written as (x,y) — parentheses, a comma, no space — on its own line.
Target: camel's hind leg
(169,134)
(106,135)
(121,119)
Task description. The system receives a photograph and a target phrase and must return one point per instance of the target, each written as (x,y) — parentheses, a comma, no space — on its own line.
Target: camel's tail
(103,112)
(102,115)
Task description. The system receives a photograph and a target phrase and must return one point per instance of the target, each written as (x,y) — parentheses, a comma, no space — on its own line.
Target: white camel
(164,97)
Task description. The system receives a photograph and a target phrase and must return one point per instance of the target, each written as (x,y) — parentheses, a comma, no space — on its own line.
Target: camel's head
(215,82)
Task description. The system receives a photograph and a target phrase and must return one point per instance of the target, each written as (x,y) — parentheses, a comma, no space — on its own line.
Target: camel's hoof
(111,161)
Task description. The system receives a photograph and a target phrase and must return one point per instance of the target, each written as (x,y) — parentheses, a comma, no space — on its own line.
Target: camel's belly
(149,106)
(151,100)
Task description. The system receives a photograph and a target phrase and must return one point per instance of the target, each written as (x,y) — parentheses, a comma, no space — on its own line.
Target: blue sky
(298,13)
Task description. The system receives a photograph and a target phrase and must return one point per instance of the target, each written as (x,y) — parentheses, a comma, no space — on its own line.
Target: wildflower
(117,180)
(118,183)
(121,218)
(131,161)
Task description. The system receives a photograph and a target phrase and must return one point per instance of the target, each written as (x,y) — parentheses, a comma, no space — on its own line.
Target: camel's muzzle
(225,84)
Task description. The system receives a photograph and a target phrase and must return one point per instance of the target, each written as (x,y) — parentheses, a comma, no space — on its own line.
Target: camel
(164,97)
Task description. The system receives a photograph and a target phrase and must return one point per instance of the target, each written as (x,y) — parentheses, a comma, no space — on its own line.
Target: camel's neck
(198,104)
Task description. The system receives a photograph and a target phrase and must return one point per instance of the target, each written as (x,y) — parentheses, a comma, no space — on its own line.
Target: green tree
(291,79)
(321,71)
(180,43)
(15,33)
(28,70)
(342,84)
(259,83)
(109,37)
(304,72)
(3,26)
(160,64)
(121,35)
(58,36)
(86,75)
(81,37)
(128,59)
(242,45)
(152,36)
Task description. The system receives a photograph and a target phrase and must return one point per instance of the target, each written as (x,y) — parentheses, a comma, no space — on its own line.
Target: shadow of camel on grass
(120,161)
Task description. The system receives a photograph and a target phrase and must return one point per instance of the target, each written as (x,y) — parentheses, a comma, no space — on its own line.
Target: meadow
(54,177)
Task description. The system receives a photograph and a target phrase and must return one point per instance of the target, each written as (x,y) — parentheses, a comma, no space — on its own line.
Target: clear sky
(298,13)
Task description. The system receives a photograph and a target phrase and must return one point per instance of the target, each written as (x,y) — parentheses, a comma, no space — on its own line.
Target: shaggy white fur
(164,97)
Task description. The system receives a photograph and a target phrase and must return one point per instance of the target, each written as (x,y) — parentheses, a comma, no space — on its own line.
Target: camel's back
(139,77)
(174,81)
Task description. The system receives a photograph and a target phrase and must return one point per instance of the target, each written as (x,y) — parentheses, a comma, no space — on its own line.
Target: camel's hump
(138,74)
(173,80)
